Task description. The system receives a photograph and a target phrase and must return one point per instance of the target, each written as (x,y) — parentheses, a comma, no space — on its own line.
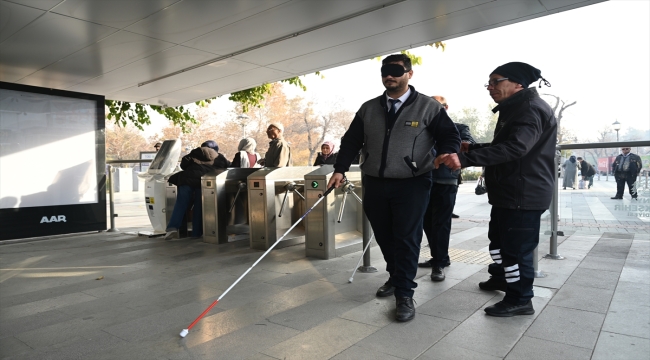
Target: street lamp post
(242,122)
(616,126)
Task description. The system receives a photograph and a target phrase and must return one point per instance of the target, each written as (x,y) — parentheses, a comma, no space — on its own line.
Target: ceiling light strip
(274,41)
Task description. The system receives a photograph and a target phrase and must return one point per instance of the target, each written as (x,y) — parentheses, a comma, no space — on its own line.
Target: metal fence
(553,209)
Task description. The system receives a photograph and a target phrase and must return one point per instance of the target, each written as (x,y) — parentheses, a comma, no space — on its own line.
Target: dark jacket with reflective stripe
(398,147)
(519,162)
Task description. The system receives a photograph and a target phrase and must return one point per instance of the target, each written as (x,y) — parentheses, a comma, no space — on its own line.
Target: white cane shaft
(271,248)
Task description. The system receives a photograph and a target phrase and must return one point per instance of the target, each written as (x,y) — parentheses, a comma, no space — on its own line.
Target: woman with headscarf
(246,157)
(571,168)
(327,156)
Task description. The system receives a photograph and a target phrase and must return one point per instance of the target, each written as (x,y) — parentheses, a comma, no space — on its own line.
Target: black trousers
(620,185)
(437,222)
(514,235)
(395,209)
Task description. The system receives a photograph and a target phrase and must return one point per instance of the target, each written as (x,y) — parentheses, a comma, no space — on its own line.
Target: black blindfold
(394,70)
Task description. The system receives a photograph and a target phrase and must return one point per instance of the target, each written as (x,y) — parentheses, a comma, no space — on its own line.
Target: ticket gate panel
(325,236)
(225,204)
(269,219)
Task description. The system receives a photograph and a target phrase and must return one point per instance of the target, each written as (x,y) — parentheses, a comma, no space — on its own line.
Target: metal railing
(553,253)
(111,170)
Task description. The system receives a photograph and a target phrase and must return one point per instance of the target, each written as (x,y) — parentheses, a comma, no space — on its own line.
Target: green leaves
(121,112)
(253,97)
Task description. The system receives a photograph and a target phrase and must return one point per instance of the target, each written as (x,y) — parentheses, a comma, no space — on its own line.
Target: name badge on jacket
(412,123)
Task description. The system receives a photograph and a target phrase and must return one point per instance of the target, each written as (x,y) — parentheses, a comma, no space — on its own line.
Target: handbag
(480,187)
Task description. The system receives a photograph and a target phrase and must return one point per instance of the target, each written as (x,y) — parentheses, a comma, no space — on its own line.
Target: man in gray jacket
(279,153)
(396,132)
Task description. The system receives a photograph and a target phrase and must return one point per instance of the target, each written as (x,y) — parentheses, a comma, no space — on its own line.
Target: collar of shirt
(402,99)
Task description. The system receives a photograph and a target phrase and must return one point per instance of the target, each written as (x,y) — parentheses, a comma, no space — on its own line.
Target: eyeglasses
(494,82)
(626,149)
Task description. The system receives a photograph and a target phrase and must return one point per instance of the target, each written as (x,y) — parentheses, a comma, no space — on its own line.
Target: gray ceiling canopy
(171,52)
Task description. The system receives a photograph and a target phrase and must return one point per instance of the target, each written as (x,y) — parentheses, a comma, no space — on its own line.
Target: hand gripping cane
(186,331)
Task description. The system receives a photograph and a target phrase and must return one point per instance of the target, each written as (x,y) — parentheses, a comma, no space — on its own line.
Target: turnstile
(225,204)
(335,226)
(275,202)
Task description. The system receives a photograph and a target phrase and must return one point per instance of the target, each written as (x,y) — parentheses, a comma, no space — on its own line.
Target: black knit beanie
(521,73)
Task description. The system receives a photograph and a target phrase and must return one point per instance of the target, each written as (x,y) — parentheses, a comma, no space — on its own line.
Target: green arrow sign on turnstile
(314,184)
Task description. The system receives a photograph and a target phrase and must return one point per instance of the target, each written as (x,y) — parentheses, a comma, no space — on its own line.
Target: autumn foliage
(305,126)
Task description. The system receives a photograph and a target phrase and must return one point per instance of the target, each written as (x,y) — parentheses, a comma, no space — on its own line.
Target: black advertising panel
(52,162)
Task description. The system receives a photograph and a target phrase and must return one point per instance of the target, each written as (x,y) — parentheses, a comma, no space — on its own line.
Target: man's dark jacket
(586,169)
(197,163)
(519,162)
(634,168)
(320,160)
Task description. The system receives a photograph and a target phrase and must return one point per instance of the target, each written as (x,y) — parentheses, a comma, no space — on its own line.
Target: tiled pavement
(117,296)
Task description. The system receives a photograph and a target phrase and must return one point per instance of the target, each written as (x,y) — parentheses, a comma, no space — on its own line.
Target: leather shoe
(405,309)
(492,285)
(427,264)
(454,216)
(504,309)
(386,290)
(616,198)
(437,274)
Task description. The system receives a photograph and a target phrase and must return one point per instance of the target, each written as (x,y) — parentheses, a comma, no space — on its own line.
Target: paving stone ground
(120,296)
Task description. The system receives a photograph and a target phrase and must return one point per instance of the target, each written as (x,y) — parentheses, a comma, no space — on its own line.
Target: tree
(124,143)
(123,112)
(558,115)
(480,126)
(195,133)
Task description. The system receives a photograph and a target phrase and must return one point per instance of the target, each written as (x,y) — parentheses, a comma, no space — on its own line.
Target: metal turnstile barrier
(275,202)
(335,227)
(225,204)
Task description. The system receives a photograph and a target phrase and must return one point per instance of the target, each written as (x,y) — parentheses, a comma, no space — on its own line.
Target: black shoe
(504,309)
(405,309)
(386,290)
(492,285)
(437,274)
(454,216)
(616,198)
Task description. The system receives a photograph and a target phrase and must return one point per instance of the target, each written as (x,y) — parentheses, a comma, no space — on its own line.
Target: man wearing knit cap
(519,175)
(279,153)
